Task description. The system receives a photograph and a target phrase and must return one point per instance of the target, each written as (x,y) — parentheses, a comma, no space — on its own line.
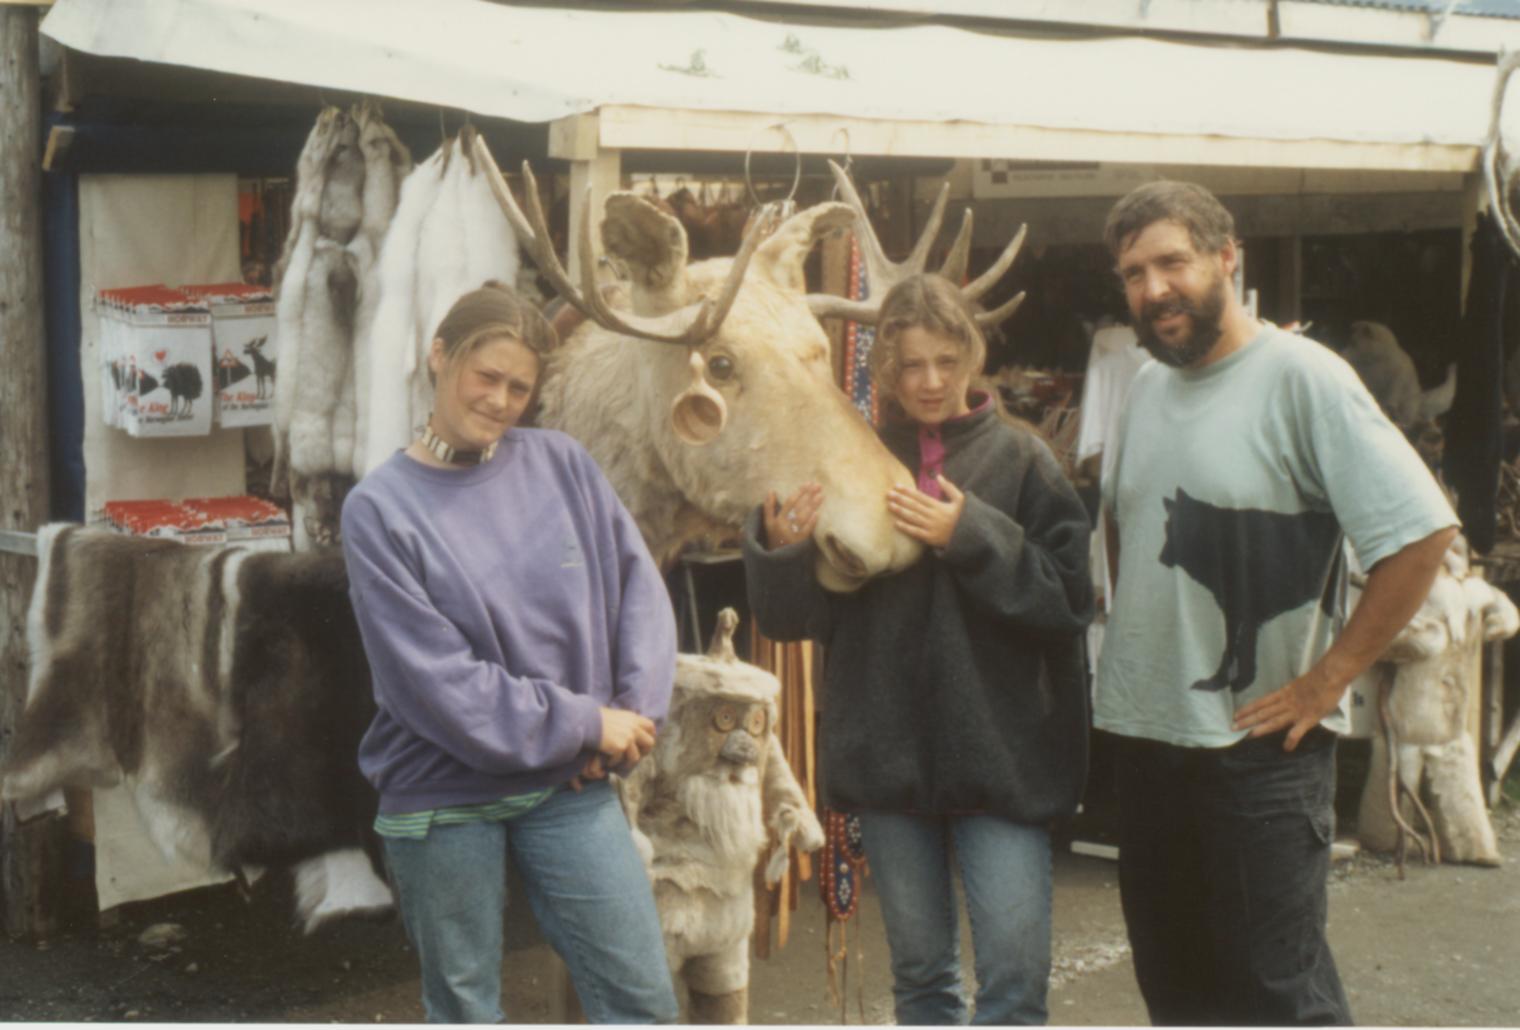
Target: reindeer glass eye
(755,721)
(720,367)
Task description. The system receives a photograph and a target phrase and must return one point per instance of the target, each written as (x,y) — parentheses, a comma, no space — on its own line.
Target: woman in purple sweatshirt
(522,645)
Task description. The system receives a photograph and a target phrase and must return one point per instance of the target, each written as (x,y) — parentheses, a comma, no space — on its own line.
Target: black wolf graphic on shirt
(1257,564)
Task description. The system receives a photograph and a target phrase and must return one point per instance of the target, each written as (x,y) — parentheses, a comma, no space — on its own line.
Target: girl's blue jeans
(1005,871)
(587,889)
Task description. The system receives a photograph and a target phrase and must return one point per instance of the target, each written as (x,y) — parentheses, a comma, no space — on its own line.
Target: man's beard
(1206,317)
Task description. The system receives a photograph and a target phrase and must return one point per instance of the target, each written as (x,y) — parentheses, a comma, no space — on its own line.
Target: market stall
(615,96)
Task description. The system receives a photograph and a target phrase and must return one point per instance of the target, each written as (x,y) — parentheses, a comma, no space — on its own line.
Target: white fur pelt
(338,885)
(449,236)
(390,329)
(1430,670)
(347,182)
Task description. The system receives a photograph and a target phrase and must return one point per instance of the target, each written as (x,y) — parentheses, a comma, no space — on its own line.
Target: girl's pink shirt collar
(931,446)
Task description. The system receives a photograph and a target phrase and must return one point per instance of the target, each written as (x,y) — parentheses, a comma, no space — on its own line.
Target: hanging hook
(848,158)
(749,183)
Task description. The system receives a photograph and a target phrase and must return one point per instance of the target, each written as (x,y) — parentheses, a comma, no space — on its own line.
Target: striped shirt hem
(415,825)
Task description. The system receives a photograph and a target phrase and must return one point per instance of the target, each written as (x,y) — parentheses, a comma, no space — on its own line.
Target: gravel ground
(1436,949)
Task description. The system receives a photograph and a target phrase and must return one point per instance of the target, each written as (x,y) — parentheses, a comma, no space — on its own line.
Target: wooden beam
(28,854)
(574,138)
(1290,278)
(641,128)
(603,173)
(1080,220)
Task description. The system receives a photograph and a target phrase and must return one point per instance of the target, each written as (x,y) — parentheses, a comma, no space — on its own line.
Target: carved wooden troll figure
(714,794)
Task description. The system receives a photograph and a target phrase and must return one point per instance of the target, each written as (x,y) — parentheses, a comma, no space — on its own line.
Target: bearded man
(1245,453)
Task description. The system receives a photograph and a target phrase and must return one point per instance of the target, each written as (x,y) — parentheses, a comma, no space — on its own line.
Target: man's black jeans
(1223,860)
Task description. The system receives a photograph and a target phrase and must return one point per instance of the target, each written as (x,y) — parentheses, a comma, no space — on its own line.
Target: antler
(533,231)
(884,274)
(1496,173)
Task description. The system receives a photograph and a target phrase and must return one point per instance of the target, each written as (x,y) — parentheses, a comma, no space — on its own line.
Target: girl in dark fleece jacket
(955,704)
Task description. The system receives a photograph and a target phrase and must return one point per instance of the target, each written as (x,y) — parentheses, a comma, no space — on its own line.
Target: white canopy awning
(660,78)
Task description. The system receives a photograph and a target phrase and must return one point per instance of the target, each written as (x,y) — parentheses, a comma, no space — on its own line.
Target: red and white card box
(244,351)
(155,360)
(243,521)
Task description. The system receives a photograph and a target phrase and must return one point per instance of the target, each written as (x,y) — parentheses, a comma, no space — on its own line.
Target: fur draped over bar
(226,688)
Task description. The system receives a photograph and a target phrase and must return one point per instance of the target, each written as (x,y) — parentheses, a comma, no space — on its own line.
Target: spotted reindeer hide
(226,688)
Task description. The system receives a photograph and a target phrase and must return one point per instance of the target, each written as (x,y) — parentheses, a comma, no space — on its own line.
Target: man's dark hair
(1194,208)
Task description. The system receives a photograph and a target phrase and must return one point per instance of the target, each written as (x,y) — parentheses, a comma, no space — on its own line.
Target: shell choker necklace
(443,452)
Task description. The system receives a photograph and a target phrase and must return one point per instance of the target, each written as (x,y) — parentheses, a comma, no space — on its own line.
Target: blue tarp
(60,305)
(1472,8)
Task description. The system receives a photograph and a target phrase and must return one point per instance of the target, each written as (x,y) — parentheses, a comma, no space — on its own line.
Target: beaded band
(443,452)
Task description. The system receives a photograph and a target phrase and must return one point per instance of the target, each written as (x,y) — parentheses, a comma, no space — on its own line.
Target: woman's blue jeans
(585,884)
(1005,870)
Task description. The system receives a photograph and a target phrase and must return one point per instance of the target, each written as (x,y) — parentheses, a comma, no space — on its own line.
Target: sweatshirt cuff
(978,522)
(755,549)
(591,723)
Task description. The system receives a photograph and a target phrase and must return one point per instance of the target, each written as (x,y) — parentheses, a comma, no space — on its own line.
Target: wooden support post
(576,140)
(28,854)
(1290,278)
(900,230)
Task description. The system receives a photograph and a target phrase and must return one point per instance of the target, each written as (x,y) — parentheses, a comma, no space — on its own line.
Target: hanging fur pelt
(226,689)
(386,166)
(347,182)
(448,237)
(390,330)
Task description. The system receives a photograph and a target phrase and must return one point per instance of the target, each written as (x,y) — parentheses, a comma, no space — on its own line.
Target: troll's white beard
(728,813)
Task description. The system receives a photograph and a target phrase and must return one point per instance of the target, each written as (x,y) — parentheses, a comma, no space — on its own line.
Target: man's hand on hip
(1297,708)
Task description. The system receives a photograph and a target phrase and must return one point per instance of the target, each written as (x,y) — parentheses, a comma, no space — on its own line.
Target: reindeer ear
(781,258)
(652,243)
(699,412)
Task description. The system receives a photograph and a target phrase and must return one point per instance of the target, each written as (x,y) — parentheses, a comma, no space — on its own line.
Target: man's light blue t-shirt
(1232,488)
